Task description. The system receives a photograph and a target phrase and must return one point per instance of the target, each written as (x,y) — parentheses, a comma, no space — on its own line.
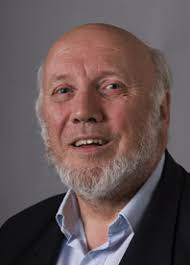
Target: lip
(93,137)
(90,149)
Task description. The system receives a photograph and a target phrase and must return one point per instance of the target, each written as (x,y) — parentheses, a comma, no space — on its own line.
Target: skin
(97,81)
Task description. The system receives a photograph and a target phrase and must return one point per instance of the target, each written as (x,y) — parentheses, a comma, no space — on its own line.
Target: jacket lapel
(44,240)
(154,240)
(48,247)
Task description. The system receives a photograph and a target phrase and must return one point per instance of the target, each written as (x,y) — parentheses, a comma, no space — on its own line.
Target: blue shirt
(120,233)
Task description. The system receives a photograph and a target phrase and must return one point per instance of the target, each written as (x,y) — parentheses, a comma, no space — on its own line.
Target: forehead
(97,52)
(90,58)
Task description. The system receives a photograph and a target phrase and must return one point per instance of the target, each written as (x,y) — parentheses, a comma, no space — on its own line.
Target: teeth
(88,141)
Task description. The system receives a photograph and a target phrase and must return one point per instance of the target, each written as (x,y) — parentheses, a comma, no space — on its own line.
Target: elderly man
(104,110)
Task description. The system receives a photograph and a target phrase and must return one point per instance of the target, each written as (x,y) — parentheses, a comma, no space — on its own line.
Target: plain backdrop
(27,29)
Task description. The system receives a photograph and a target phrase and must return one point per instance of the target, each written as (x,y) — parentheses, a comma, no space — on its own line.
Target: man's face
(96,99)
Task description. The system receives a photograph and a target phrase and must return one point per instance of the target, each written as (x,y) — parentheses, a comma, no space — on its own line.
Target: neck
(97,216)
(101,209)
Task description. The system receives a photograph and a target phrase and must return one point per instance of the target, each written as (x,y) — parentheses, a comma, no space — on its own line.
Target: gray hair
(38,104)
(163,82)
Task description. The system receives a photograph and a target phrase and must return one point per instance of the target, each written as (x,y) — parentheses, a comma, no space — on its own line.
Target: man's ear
(165,109)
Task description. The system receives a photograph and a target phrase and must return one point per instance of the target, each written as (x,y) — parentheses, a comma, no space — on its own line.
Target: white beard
(106,181)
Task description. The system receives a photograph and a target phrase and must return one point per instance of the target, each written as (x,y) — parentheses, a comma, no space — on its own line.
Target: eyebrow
(108,73)
(56,78)
(102,74)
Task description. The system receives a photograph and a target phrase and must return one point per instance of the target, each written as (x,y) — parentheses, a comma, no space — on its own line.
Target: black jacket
(32,237)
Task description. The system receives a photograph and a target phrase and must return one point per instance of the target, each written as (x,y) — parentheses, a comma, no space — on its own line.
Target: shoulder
(34,217)
(22,232)
(175,173)
(182,231)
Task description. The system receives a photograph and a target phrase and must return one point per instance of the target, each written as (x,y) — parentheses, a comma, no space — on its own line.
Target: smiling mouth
(89,142)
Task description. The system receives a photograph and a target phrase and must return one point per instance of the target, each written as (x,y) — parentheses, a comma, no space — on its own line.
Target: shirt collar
(68,216)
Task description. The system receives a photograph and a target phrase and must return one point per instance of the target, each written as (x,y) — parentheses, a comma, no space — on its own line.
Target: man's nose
(86,108)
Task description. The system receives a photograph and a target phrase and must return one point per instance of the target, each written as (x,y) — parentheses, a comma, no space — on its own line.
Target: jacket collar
(154,240)
(48,247)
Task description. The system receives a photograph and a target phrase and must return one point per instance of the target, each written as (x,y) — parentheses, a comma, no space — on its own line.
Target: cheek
(119,116)
(127,121)
(54,117)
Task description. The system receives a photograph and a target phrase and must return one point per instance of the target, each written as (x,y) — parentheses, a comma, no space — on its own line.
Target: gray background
(27,29)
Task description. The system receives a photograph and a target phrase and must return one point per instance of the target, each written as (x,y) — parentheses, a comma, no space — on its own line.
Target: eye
(62,90)
(113,86)
(62,93)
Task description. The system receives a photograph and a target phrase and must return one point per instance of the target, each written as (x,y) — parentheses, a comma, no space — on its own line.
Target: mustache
(69,135)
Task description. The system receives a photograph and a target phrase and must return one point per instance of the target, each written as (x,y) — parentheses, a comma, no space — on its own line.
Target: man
(104,110)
